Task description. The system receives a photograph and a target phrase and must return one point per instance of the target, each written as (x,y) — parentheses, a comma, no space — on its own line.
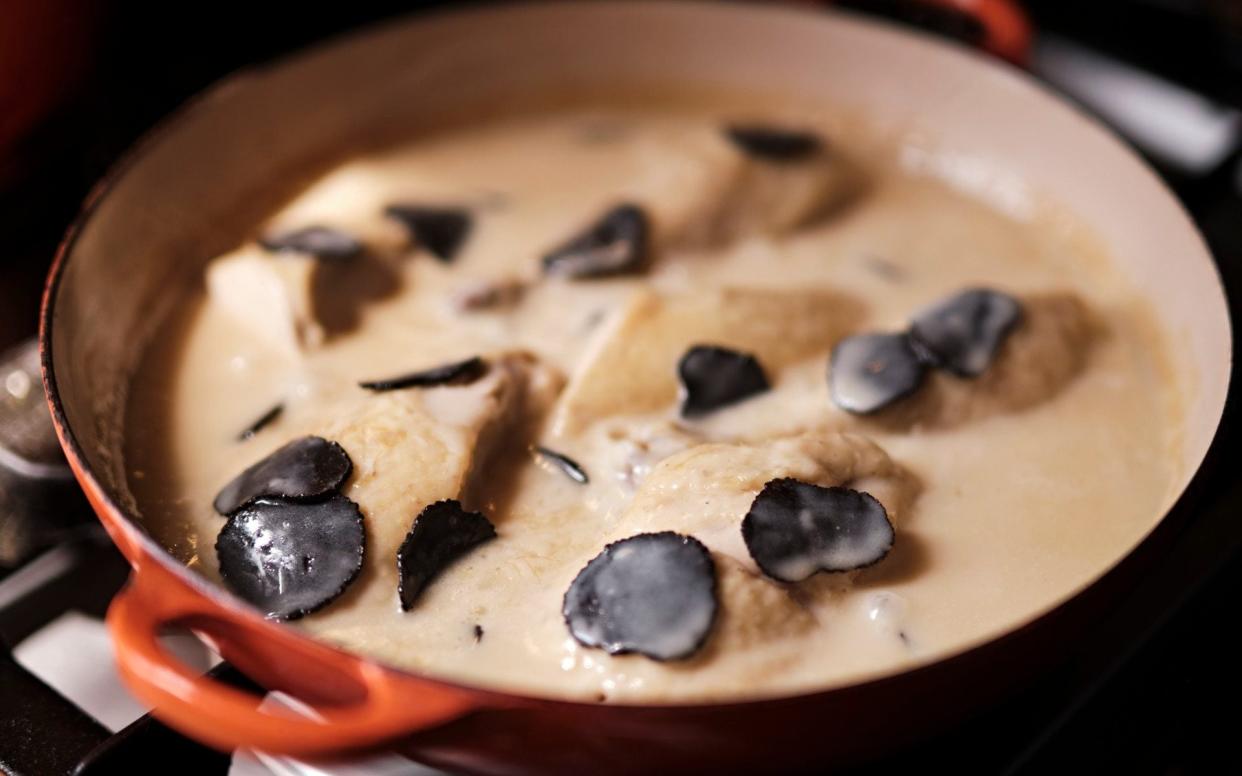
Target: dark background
(1158,692)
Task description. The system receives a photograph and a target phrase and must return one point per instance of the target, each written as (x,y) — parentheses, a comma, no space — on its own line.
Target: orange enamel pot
(208,176)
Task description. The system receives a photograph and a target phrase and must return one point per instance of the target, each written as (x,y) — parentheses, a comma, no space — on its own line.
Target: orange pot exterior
(358,703)
(1007,33)
(1006,29)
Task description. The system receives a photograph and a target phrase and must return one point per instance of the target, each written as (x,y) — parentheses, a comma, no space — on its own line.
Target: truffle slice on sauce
(713,378)
(440,230)
(263,421)
(1043,353)
(307,469)
(708,489)
(962,334)
(566,465)
(291,559)
(868,372)
(320,242)
(454,373)
(440,535)
(653,594)
(796,529)
(616,244)
(774,144)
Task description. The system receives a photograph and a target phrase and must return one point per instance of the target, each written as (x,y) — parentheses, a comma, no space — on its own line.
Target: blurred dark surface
(1153,692)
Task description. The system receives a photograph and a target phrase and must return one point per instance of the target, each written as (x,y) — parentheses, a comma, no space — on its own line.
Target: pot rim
(145,547)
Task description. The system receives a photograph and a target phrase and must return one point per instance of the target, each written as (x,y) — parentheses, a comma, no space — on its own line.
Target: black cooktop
(1151,690)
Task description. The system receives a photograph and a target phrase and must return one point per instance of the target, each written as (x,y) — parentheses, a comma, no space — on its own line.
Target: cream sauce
(999,514)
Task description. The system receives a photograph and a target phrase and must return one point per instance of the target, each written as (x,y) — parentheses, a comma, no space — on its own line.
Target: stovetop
(1150,690)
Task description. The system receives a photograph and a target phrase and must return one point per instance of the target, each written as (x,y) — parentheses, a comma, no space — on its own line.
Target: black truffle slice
(713,377)
(867,372)
(291,559)
(654,594)
(442,533)
(794,529)
(262,422)
(614,245)
(773,144)
(306,469)
(319,241)
(441,230)
(572,469)
(456,373)
(963,333)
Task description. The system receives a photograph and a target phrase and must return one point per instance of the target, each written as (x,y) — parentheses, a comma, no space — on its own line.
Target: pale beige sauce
(1016,510)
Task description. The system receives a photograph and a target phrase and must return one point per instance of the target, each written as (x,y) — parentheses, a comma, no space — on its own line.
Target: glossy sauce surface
(1007,494)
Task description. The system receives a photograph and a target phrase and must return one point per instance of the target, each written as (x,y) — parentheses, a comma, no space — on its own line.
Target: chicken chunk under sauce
(649,406)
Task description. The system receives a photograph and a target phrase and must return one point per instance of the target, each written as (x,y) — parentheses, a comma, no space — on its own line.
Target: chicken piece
(706,490)
(631,366)
(1044,353)
(272,296)
(411,448)
(703,191)
(754,609)
(295,302)
(629,448)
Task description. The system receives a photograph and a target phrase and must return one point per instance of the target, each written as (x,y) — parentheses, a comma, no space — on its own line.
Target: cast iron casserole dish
(208,176)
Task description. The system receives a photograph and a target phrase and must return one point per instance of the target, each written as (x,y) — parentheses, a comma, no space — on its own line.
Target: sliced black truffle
(442,533)
(291,559)
(262,422)
(306,469)
(713,377)
(571,468)
(319,241)
(794,529)
(868,372)
(441,230)
(614,245)
(654,594)
(962,334)
(773,144)
(456,373)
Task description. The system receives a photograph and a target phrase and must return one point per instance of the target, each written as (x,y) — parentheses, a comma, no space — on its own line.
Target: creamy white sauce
(999,515)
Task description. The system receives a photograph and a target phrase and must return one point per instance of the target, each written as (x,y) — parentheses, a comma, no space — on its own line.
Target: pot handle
(1003,28)
(226,718)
